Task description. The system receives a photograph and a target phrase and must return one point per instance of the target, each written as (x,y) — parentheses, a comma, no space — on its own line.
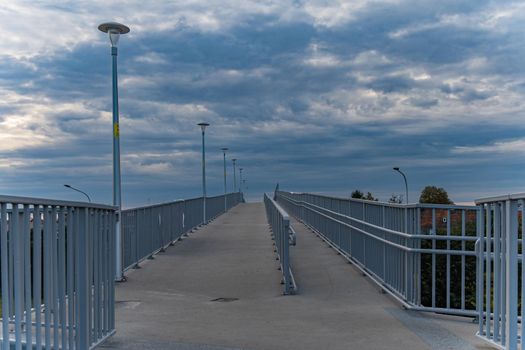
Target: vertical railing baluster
(37,274)
(448,262)
(522,330)
(511,287)
(6,282)
(497,234)
(434,233)
(463,234)
(488,262)
(18,238)
(62,275)
(70,254)
(503,273)
(82,281)
(47,276)
(480,231)
(96,275)
(55,275)
(26,246)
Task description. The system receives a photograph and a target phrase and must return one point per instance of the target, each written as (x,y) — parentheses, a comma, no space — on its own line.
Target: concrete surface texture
(168,304)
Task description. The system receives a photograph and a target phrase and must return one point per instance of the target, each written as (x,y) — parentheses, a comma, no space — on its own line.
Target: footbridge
(295,271)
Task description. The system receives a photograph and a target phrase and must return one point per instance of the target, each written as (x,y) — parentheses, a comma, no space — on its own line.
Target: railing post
(136,228)
(83,283)
(409,260)
(511,280)
(4,256)
(480,245)
(285,258)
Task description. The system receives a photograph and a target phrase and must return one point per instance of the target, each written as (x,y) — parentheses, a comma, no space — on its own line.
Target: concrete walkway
(169,303)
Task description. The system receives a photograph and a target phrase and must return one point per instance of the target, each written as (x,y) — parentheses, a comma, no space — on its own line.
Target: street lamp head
(396,168)
(66,185)
(203,126)
(224,149)
(114,30)
(234,160)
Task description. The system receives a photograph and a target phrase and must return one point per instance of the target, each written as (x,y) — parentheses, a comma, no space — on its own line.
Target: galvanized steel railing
(57,273)
(423,255)
(501,276)
(282,234)
(149,230)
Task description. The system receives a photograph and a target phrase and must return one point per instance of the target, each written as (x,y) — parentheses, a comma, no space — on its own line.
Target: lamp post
(240,179)
(225,189)
(114,31)
(234,175)
(203,129)
(406,184)
(76,189)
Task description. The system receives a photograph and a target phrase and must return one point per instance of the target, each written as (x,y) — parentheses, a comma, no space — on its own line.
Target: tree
(357,194)
(360,195)
(434,195)
(396,199)
(370,197)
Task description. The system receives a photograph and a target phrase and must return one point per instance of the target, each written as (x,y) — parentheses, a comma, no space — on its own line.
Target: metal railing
(57,273)
(501,276)
(283,235)
(423,255)
(149,230)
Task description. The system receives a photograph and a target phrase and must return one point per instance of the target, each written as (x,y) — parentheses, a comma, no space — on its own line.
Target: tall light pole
(406,184)
(225,189)
(203,129)
(76,189)
(115,30)
(240,179)
(234,175)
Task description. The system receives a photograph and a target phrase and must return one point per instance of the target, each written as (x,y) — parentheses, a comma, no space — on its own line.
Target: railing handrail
(388,242)
(150,229)
(172,202)
(154,205)
(384,229)
(282,232)
(515,196)
(283,212)
(387,204)
(53,202)
(398,233)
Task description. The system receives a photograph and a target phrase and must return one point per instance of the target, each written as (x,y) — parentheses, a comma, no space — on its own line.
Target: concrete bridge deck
(168,304)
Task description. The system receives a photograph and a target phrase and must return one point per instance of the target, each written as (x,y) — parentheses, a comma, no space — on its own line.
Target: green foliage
(357,194)
(441,262)
(360,195)
(434,195)
(370,197)
(396,199)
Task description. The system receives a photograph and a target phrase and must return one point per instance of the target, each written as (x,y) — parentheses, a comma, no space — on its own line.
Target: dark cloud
(314,107)
(423,102)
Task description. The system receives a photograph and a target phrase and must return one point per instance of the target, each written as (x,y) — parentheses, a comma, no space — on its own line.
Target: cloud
(510,147)
(319,96)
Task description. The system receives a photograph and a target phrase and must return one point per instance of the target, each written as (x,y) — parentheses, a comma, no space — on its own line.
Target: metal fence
(283,235)
(148,230)
(57,273)
(500,285)
(423,255)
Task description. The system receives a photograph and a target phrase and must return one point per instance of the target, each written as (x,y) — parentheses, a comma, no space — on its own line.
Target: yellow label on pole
(116,131)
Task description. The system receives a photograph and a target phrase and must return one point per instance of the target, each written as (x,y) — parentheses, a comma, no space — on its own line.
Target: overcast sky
(322,96)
